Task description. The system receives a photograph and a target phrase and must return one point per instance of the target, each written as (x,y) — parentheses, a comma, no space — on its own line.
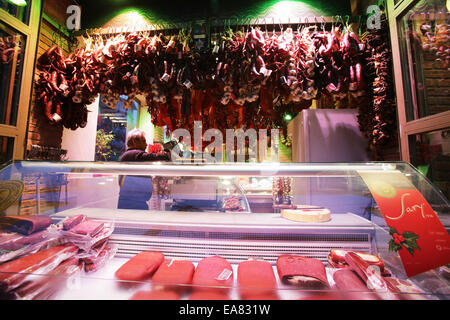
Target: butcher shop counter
(236,237)
(92,190)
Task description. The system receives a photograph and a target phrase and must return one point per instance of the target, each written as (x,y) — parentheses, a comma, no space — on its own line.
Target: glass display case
(63,236)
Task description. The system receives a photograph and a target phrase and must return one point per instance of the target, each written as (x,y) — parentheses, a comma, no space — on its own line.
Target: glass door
(19,27)
(420,34)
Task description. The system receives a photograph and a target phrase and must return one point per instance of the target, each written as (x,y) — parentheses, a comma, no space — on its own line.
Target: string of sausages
(9,46)
(246,79)
(377,109)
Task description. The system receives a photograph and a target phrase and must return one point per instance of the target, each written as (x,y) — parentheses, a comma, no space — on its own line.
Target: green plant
(102,146)
(407,240)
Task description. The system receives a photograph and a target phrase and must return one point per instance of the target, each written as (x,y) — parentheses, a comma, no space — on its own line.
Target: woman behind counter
(135,191)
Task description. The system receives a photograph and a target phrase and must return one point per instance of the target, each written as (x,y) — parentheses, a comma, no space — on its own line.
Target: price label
(225,275)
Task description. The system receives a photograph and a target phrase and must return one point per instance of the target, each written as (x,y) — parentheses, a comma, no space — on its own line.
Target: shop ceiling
(97,13)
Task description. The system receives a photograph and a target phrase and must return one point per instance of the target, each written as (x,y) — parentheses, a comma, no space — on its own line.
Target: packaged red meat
(156,295)
(407,289)
(209,295)
(87,242)
(93,253)
(175,272)
(73,221)
(233,204)
(15,245)
(256,277)
(88,227)
(140,267)
(369,273)
(25,224)
(302,272)
(102,237)
(14,273)
(10,241)
(336,258)
(45,287)
(346,279)
(213,273)
(351,286)
(94,263)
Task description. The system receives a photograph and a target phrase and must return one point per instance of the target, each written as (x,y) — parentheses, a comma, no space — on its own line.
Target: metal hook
(347,19)
(323,23)
(341,20)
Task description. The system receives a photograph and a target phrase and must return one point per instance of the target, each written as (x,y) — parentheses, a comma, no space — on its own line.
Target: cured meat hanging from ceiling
(247,79)
(378,107)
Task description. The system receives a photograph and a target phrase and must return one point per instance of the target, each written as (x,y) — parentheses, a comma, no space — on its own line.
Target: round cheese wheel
(307,215)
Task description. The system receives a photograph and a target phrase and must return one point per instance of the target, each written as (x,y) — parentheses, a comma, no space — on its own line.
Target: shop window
(6,149)
(11,66)
(18,9)
(114,121)
(424,47)
(430,153)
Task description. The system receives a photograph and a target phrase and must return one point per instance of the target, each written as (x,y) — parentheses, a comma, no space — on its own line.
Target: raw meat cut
(140,267)
(256,277)
(302,271)
(336,258)
(8,241)
(88,227)
(73,221)
(371,276)
(346,279)
(25,224)
(95,263)
(46,286)
(351,287)
(12,241)
(213,272)
(14,272)
(176,272)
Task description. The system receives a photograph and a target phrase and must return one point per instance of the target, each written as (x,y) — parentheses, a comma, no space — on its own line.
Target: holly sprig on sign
(407,240)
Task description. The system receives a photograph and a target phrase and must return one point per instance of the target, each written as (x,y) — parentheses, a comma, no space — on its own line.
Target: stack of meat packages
(350,276)
(38,257)
(92,239)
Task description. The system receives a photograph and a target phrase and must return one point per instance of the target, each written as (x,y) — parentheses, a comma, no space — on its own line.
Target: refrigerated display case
(237,235)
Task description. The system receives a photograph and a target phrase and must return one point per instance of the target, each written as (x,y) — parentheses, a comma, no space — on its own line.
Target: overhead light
(288,117)
(19,3)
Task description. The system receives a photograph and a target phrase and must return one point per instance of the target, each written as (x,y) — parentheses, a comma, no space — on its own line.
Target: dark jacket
(139,155)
